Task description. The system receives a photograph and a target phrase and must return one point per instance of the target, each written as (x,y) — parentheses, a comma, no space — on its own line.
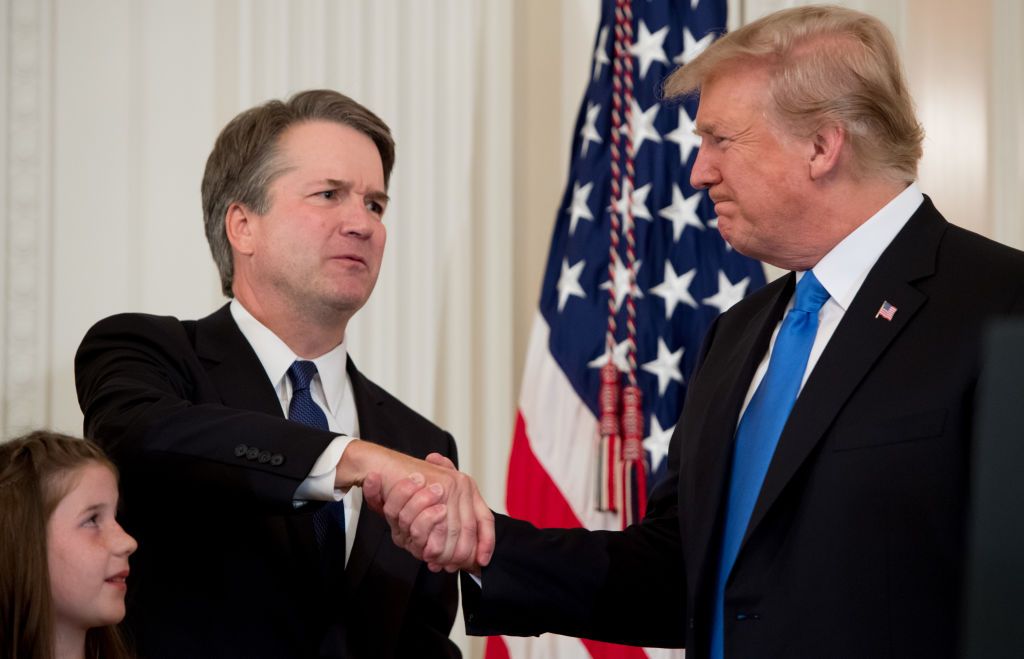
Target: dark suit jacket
(856,543)
(226,566)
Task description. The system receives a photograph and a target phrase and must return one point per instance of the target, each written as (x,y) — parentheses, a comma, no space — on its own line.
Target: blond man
(819,472)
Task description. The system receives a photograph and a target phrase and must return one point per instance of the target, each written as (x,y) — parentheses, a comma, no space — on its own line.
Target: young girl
(63,556)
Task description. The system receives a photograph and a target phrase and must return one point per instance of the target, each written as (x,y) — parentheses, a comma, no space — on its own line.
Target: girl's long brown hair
(36,472)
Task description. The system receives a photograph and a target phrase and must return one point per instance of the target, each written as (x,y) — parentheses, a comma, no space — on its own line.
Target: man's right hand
(435,511)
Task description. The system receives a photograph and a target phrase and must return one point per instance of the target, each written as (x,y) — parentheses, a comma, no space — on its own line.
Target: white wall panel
(495,272)
(176,129)
(5,170)
(948,60)
(133,123)
(1006,109)
(26,275)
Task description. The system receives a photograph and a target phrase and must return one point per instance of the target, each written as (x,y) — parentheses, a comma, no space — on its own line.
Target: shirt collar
(846,266)
(276,357)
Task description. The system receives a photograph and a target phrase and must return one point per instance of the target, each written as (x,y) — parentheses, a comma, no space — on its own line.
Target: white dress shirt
(331,389)
(842,272)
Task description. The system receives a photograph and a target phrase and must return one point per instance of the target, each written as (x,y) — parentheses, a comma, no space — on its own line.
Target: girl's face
(88,552)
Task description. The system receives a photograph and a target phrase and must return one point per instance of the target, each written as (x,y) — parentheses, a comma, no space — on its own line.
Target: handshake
(435,512)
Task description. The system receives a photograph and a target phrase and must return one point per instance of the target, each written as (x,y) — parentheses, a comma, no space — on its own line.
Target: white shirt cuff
(319,485)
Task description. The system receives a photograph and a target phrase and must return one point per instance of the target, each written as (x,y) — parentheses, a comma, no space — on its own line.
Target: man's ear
(827,147)
(238,224)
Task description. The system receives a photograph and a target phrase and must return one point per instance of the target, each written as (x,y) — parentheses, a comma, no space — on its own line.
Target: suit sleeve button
(252,453)
(277,460)
(240,450)
(264,457)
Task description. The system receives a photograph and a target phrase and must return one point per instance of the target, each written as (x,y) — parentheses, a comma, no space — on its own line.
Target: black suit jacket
(226,566)
(855,546)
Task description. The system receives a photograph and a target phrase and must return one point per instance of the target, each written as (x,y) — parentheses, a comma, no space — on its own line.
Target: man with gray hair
(234,433)
(815,505)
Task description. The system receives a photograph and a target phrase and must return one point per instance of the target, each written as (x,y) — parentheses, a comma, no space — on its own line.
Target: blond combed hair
(826,65)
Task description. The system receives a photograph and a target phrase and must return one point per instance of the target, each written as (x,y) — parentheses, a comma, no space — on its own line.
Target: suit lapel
(233,366)
(373,424)
(859,341)
(242,383)
(714,450)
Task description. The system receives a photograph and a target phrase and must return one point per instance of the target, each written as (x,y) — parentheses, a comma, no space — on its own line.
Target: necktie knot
(301,373)
(302,407)
(810,294)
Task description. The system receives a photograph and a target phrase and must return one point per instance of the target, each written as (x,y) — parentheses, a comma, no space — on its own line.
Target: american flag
(685,275)
(886,311)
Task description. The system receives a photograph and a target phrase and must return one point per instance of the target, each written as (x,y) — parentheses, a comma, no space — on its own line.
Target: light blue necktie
(329,520)
(759,431)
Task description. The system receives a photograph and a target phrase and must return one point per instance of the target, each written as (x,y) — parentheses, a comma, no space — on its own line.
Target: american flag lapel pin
(886,311)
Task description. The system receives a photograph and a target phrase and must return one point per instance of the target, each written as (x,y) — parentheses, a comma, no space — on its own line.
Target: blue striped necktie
(759,431)
(329,520)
